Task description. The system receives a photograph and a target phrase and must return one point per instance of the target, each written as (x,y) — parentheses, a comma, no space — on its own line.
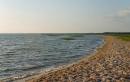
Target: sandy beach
(111,63)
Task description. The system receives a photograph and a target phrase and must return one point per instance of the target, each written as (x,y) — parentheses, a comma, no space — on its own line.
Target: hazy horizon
(64,16)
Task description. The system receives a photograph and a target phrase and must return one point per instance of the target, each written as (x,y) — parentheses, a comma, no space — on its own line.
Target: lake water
(27,53)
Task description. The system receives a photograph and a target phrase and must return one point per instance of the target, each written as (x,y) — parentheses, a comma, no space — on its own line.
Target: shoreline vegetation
(111,63)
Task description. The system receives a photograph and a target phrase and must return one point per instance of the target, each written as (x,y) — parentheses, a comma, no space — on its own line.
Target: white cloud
(122,16)
(118,21)
(124,13)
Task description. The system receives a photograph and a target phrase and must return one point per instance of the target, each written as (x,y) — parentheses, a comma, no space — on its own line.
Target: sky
(64,16)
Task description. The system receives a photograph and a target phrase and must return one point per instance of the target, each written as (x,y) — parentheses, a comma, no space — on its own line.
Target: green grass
(125,37)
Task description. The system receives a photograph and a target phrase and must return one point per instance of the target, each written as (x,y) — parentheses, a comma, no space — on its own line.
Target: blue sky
(52,16)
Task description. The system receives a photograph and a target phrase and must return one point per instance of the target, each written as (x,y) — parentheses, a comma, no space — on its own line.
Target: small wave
(8,54)
(33,68)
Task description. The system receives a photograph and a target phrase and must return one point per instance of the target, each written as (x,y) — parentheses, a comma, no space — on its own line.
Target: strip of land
(111,63)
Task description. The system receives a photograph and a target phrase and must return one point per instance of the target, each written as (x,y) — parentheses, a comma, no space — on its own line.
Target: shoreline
(22,78)
(110,63)
(48,70)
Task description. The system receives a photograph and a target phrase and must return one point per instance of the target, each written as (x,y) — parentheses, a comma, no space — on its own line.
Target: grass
(124,37)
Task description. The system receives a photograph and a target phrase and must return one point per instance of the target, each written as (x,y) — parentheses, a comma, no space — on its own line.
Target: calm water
(25,53)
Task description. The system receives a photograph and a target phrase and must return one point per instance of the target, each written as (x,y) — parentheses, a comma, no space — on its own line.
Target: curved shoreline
(46,71)
(110,63)
(37,72)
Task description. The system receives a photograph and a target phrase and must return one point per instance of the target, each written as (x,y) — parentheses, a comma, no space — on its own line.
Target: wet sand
(111,63)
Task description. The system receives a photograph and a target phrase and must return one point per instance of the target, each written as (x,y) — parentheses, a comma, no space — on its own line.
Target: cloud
(120,19)
(124,13)
(121,14)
